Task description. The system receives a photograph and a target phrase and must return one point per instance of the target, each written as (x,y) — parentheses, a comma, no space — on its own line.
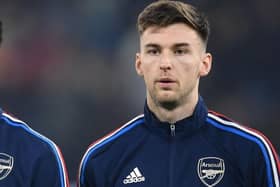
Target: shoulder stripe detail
(276,157)
(61,164)
(267,150)
(103,141)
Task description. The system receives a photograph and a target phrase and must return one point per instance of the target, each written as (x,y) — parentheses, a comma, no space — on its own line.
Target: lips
(166,82)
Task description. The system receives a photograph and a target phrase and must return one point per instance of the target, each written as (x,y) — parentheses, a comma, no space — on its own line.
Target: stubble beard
(168,102)
(169,105)
(165,102)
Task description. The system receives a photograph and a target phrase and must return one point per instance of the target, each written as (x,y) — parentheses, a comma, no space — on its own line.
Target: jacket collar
(184,127)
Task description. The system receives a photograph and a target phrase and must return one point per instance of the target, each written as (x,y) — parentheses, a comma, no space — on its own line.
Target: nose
(165,61)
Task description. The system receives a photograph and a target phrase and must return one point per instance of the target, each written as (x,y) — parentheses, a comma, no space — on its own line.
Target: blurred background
(67,67)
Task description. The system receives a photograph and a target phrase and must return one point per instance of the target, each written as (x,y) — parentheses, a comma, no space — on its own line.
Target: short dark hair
(164,13)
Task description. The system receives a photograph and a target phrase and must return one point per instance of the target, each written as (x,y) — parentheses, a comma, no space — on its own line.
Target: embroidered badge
(6,165)
(211,170)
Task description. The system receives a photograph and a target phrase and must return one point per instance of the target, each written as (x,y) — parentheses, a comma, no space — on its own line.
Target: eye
(153,51)
(180,51)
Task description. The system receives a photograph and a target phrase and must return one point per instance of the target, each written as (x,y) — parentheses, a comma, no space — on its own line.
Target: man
(178,142)
(27,158)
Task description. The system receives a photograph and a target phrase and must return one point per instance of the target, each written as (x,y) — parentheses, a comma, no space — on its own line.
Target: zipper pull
(172,129)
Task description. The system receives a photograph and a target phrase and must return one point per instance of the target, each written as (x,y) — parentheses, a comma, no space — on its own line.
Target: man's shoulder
(109,149)
(237,137)
(232,128)
(243,143)
(117,136)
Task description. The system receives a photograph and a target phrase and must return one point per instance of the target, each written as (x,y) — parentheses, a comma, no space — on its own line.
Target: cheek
(189,68)
(189,71)
(148,75)
(148,67)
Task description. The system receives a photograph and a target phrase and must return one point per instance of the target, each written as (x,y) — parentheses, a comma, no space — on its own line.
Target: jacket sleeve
(266,165)
(50,170)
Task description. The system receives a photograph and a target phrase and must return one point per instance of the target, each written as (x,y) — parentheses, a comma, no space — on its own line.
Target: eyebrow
(152,45)
(183,44)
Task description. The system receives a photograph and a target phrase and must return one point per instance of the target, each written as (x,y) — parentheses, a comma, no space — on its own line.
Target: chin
(167,102)
(167,97)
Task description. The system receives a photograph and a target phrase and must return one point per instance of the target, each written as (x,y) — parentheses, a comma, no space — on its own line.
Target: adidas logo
(134,177)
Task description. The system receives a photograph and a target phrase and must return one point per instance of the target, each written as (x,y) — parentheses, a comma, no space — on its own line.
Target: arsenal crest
(6,165)
(210,170)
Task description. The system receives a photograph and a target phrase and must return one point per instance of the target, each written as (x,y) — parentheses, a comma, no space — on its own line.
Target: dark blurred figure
(27,158)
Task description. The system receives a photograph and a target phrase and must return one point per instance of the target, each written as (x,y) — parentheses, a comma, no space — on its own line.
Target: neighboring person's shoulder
(27,144)
(25,135)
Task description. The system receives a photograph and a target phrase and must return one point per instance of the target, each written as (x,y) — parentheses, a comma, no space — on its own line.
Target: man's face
(171,61)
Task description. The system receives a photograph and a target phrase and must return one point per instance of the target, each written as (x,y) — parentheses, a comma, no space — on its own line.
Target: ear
(206,65)
(138,64)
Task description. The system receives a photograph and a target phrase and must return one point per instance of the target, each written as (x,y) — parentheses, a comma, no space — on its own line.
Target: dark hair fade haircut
(164,13)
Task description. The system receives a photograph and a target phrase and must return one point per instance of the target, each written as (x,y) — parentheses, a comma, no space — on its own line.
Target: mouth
(166,82)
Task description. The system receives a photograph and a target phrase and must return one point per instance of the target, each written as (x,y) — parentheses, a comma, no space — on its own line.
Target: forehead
(172,34)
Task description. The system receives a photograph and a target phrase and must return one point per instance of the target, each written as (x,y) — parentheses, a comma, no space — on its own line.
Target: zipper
(172,151)
(172,129)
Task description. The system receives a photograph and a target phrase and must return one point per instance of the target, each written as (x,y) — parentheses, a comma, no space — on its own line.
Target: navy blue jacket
(205,149)
(28,159)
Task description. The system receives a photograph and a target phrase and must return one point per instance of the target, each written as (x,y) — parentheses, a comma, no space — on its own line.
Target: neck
(178,113)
